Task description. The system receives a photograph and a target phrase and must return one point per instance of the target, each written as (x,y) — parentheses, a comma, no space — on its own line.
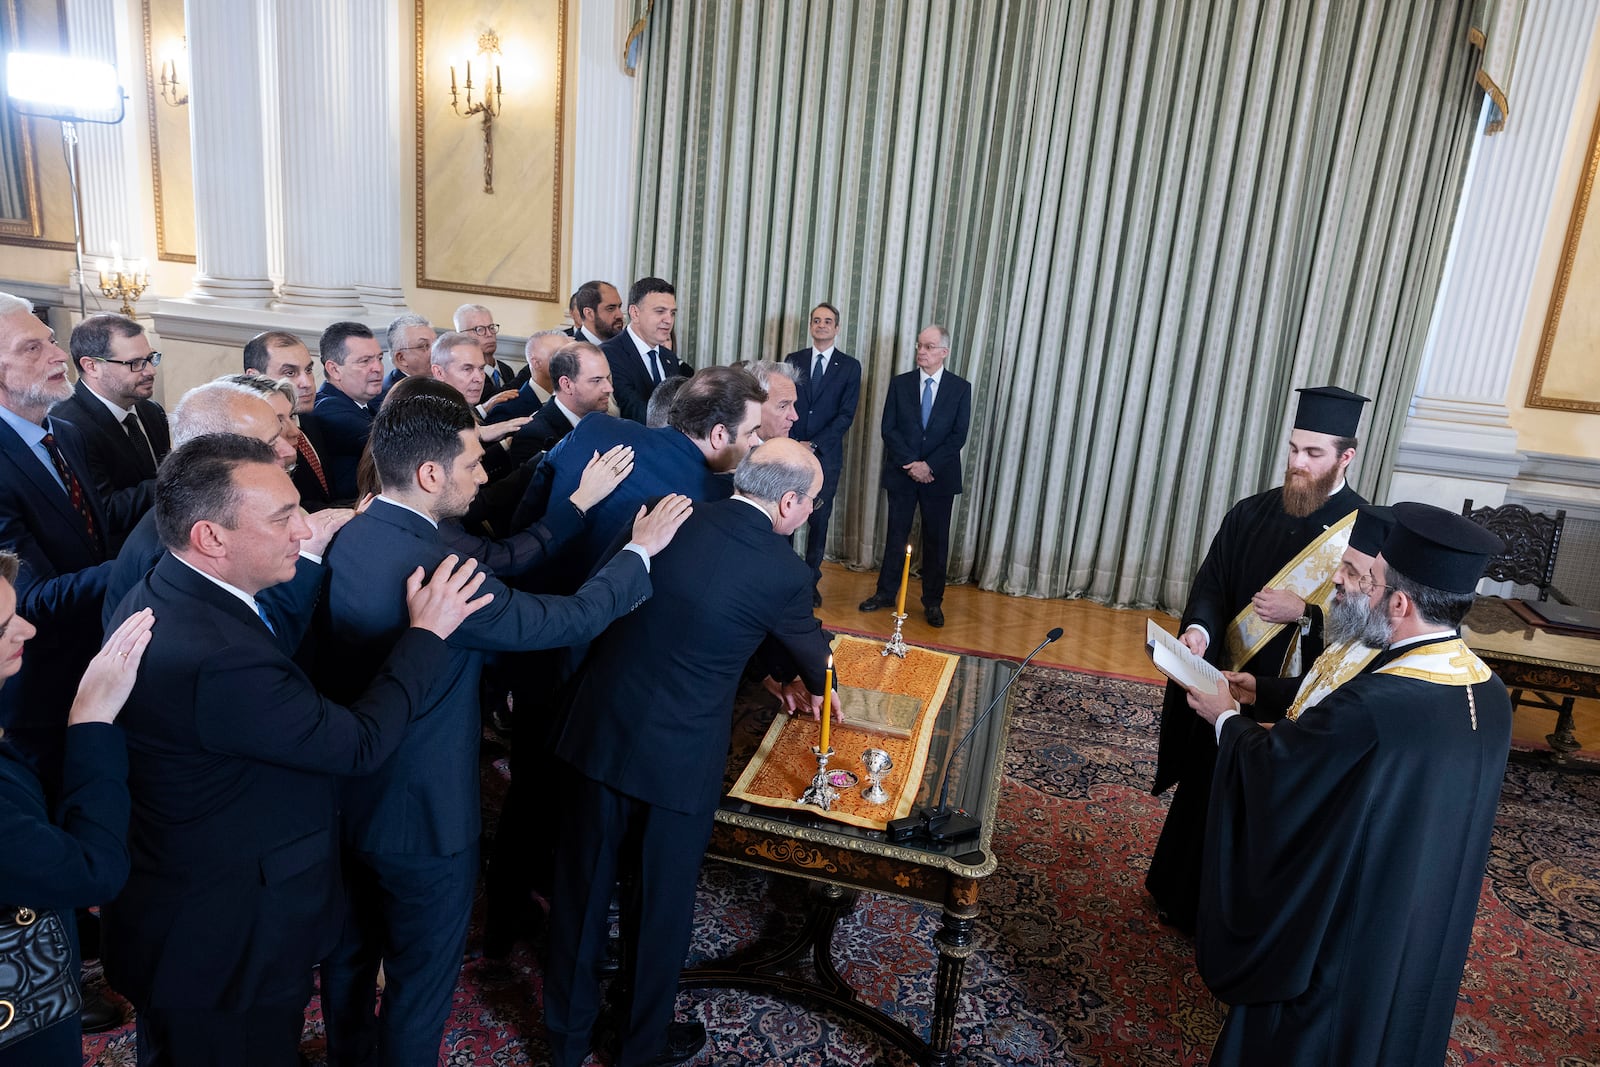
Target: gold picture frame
(27,230)
(1562,352)
(427,278)
(164,251)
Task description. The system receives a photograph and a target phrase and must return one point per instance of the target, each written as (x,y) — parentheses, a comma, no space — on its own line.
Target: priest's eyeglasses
(1369,585)
(135,365)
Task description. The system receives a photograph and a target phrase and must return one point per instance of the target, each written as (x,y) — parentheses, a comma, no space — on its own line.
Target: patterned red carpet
(1071,966)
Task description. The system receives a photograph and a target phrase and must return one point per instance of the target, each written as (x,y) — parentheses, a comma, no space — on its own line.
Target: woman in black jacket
(81,858)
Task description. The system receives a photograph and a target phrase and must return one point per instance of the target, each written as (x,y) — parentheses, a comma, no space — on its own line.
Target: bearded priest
(1255,607)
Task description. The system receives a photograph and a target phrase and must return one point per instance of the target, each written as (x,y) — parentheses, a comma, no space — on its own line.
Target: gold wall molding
(512,267)
(166,249)
(1566,375)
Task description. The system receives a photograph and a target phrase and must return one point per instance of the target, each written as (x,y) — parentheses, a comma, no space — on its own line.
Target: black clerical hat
(1330,410)
(1372,528)
(1439,548)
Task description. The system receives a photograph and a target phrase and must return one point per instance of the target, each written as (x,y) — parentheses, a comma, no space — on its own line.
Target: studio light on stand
(70,90)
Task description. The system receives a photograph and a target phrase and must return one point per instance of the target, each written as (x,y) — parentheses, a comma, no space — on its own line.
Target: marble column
(602,180)
(324,179)
(108,180)
(225,126)
(1458,441)
(375,76)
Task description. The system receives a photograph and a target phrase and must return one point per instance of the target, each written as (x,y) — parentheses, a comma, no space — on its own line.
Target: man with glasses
(410,338)
(352,361)
(925,419)
(1249,610)
(124,430)
(479,321)
(1345,850)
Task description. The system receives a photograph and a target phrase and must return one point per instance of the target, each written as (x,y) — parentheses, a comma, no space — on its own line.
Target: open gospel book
(1178,663)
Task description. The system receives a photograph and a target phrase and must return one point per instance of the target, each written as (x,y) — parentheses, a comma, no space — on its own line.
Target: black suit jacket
(939,445)
(630,382)
(424,801)
(234,762)
(345,426)
(652,707)
(826,412)
(59,586)
(313,497)
(114,462)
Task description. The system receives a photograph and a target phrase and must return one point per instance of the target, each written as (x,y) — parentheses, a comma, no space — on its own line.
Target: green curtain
(1143,224)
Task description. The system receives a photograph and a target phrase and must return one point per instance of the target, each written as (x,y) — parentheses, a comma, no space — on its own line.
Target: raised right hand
(446,600)
(601,475)
(109,677)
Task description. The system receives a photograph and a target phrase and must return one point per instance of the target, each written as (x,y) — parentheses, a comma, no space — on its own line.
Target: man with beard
(596,312)
(1249,611)
(1350,618)
(411,830)
(1345,849)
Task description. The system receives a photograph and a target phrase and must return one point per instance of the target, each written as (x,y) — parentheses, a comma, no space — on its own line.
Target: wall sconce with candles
(489,107)
(171,88)
(126,284)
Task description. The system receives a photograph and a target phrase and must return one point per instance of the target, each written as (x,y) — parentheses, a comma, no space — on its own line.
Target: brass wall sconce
(489,107)
(123,283)
(172,92)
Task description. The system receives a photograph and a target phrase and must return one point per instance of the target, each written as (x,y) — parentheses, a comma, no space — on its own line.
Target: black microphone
(943,823)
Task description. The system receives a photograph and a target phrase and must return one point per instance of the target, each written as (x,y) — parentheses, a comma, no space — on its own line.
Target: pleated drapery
(1143,223)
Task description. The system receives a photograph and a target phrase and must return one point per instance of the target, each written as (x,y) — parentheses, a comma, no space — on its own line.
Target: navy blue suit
(234,764)
(345,426)
(314,494)
(59,589)
(630,382)
(648,736)
(939,445)
(665,461)
(412,829)
(75,861)
(826,413)
(120,468)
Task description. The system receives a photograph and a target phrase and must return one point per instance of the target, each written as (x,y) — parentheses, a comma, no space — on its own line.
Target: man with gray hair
(479,321)
(647,750)
(534,384)
(410,340)
(250,406)
(778,380)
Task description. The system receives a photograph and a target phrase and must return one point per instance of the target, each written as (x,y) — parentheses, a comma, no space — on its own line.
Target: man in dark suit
(925,418)
(52,518)
(125,431)
(639,356)
(410,339)
(647,746)
(830,388)
(582,378)
(478,321)
(412,829)
(352,361)
(715,422)
(596,312)
(284,356)
(234,761)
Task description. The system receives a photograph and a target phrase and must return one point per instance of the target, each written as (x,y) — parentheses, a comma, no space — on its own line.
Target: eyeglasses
(484,331)
(931,348)
(135,365)
(1368,586)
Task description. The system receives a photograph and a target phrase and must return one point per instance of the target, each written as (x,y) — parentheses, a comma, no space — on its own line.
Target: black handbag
(37,986)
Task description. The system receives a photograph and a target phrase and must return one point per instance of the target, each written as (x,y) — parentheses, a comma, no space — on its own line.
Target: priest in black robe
(1346,849)
(1258,536)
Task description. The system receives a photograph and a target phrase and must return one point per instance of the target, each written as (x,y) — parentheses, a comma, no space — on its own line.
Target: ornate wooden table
(1534,658)
(841,861)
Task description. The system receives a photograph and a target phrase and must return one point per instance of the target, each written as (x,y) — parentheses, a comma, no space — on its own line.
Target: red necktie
(75,494)
(309,454)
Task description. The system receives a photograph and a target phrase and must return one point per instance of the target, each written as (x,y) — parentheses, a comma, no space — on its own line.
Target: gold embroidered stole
(1308,576)
(1333,668)
(1445,662)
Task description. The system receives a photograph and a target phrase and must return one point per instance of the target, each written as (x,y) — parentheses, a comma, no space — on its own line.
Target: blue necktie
(261,611)
(816,371)
(655,367)
(927,401)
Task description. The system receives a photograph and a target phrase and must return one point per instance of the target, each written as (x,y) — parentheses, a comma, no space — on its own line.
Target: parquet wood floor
(1097,638)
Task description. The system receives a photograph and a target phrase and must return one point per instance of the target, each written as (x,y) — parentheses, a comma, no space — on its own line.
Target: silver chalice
(877,763)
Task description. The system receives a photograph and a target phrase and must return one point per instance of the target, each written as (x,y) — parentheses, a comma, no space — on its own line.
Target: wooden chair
(1532,540)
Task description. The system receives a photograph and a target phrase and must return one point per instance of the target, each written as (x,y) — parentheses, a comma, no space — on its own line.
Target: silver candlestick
(820,792)
(896,644)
